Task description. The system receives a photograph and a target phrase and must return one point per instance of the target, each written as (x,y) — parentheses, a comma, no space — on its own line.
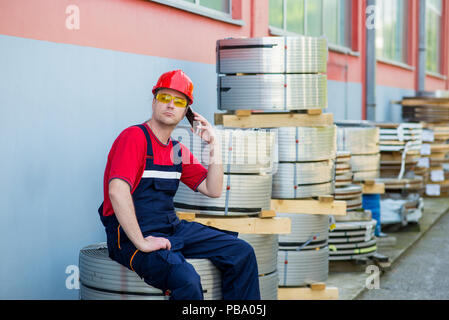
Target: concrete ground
(415,265)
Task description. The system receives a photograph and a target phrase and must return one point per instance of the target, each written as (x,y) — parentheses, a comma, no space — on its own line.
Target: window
(391,30)
(219,5)
(331,18)
(433,32)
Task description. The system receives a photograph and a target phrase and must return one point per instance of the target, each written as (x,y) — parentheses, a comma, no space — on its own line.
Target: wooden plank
(267,214)
(189,216)
(377,188)
(304,293)
(247,225)
(318,286)
(336,207)
(273,120)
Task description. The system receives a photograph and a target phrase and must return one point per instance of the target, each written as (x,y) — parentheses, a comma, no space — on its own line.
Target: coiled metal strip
(298,268)
(358,140)
(358,225)
(282,191)
(242,150)
(245,195)
(300,144)
(303,226)
(272,92)
(336,240)
(99,273)
(369,162)
(352,257)
(268,285)
(353,245)
(353,252)
(266,248)
(272,55)
(305,173)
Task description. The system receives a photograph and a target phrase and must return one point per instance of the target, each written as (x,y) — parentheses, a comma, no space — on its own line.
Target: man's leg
(162,269)
(234,257)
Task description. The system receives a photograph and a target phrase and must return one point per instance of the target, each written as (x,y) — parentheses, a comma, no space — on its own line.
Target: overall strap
(147,136)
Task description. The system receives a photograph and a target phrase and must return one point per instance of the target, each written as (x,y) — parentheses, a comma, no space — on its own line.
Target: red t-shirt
(126,161)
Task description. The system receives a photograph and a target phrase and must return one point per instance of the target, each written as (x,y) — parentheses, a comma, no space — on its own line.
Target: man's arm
(122,203)
(212,186)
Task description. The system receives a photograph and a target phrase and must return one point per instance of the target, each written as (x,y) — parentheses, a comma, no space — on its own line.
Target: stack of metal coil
(266,249)
(306,162)
(303,254)
(248,157)
(352,240)
(361,139)
(104,279)
(346,191)
(272,73)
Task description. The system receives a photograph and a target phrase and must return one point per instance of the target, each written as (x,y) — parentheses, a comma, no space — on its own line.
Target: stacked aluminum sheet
(266,250)
(272,73)
(103,278)
(242,150)
(300,144)
(361,139)
(394,136)
(306,162)
(352,240)
(303,179)
(343,172)
(272,55)
(273,92)
(303,267)
(242,194)
(351,194)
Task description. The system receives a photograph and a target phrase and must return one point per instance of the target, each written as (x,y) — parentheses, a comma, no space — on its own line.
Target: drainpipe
(370,75)
(422,48)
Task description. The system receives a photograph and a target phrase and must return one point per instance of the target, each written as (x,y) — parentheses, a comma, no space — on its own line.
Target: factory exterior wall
(65,94)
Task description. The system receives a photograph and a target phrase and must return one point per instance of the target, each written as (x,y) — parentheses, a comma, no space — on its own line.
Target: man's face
(168,113)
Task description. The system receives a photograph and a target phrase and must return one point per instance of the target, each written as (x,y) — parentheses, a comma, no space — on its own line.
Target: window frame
(440,12)
(404,43)
(201,10)
(347,48)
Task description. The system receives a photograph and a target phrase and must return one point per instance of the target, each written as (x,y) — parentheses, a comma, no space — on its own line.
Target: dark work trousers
(168,269)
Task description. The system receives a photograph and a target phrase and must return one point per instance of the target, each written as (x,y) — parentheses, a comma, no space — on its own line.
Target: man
(141,178)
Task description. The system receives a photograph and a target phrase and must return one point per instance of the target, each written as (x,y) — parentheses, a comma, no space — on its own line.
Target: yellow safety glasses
(166,98)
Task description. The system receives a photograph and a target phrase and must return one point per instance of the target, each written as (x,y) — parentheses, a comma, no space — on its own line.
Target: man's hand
(207,132)
(151,243)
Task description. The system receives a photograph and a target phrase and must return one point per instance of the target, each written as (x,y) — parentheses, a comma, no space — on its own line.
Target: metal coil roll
(299,268)
(283,191)
(301,144)
(241,195)
(272,92)
(272,55)
(268,285)
(358,140)
(242,150)
(368,162)
(358,225)
(303,173)
(304,227)
(266,248)
(103,277)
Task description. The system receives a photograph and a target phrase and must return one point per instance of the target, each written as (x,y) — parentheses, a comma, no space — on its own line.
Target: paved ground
(422,272)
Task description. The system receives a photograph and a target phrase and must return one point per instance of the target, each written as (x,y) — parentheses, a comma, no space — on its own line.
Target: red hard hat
(176,80)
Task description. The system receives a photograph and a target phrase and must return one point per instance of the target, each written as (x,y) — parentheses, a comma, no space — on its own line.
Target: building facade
(74,73)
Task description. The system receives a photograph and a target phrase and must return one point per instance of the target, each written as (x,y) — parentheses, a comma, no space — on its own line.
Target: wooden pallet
(324,205)
(316,291)
(252,119)
(266,223)
(373,187)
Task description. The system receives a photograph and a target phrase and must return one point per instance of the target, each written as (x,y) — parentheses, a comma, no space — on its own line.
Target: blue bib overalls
(168,269)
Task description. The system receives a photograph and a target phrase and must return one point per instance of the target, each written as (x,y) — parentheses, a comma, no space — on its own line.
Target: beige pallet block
(325,205)
(245,225)
(316,291)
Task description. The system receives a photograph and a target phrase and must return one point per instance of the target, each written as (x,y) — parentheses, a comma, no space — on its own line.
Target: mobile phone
(190,116)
